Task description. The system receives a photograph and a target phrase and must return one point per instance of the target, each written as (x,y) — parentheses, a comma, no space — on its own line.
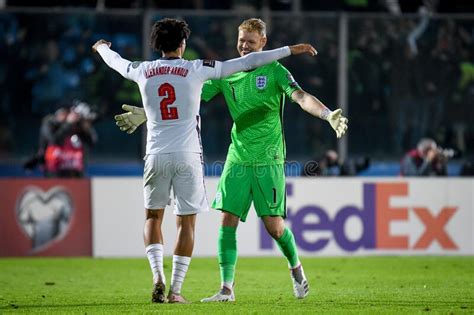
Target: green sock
(227,250)
(288,247)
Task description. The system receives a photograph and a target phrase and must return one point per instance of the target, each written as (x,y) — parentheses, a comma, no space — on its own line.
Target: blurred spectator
(367,80)
(405,6)
(467,168)
(395,97)
(49,126)
(50,80)
(66,156)
(352,167)
(406,105)
(7,140)
(426,160)
(64,140)
(329,165)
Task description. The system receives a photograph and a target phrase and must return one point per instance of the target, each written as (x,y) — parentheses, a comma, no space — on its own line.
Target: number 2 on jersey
(167,113)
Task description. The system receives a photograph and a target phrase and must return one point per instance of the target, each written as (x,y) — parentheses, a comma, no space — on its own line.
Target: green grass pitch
(377,285)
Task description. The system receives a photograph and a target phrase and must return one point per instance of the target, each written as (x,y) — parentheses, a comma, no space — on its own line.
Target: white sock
(228,285)
(298,263)
(180,267)
(154,252)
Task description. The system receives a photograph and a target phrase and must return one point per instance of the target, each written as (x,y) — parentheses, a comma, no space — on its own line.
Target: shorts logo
(218,196)
(261,82)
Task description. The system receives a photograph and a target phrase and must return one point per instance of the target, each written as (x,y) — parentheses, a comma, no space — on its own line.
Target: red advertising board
(45,217)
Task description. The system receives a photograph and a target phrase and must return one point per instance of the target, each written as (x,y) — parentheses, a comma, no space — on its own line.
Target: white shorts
(181,170)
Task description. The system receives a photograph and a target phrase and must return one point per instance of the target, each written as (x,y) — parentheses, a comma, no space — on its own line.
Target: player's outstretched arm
(110,57)
(315,107)
(258,59)
(300,49)
(131,119)
(100,42)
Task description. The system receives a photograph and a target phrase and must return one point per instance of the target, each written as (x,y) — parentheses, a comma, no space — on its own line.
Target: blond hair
(254,25)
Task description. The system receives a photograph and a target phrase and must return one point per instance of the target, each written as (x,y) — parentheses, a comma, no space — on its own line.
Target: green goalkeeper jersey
(256,100)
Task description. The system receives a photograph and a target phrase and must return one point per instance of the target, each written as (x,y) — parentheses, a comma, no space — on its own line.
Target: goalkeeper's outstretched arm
(131,119)
(315,107)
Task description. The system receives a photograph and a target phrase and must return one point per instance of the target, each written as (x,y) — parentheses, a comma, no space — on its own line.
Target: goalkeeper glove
(337,122)
(129,121)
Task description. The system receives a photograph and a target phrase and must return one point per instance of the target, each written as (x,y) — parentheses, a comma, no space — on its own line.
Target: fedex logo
(376,214)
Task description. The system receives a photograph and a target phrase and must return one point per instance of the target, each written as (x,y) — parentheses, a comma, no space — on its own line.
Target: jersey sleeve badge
(134,65)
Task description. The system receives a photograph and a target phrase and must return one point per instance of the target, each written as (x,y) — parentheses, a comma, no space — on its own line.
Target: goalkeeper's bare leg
(275,226)
(153,239)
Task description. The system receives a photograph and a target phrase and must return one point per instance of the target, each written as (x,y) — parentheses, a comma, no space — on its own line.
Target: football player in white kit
(170,88)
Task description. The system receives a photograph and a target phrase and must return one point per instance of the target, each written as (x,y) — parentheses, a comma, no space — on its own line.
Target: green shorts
(240,185)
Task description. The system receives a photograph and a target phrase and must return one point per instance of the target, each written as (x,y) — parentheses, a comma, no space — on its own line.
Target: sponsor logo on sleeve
(293,83)
(209,63)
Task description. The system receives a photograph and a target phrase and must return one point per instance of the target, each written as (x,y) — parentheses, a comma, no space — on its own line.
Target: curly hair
(167,34)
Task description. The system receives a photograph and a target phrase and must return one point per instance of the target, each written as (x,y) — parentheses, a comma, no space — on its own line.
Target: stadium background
(363,67)
(391,96)
(391,101)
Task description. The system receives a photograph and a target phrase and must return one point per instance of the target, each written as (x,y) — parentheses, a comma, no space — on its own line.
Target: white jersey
(171,93)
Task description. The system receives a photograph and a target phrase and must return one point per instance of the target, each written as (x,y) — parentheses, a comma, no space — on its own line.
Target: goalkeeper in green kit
(254,168)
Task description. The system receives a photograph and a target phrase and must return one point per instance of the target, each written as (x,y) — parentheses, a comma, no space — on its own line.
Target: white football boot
(300,283)
(221,296)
